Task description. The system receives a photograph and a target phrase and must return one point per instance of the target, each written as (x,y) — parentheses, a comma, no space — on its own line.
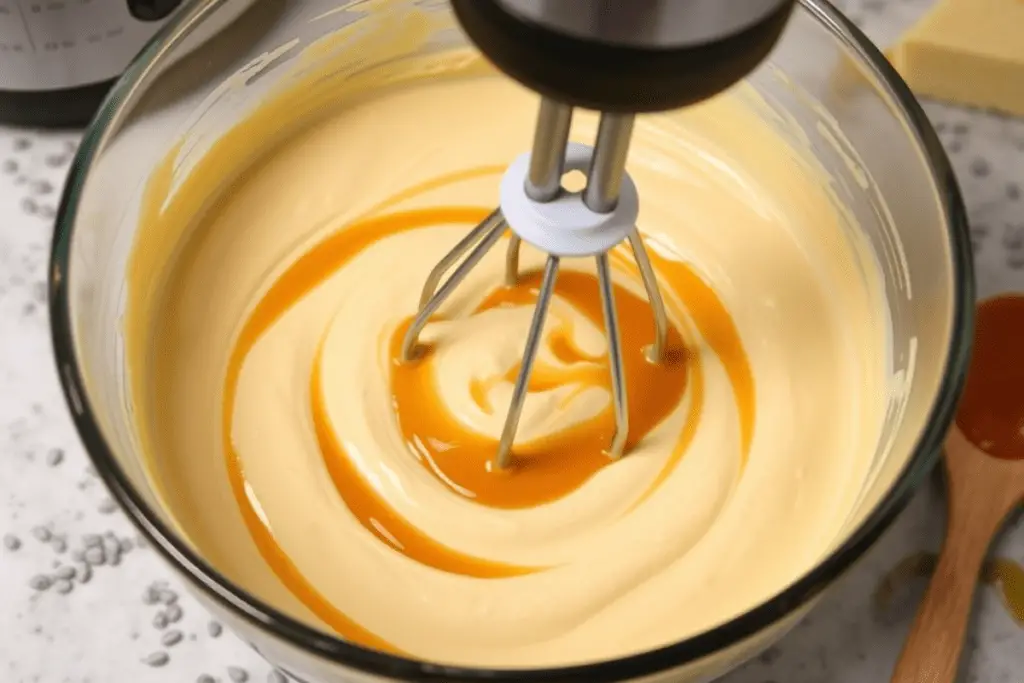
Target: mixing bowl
(826,85)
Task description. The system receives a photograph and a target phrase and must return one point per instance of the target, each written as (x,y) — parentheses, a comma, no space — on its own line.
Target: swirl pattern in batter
(352,490)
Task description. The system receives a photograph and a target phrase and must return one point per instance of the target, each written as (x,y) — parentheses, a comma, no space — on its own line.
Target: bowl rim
(346,654)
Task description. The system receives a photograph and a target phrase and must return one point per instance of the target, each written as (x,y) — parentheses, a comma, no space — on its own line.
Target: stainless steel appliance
(58,58)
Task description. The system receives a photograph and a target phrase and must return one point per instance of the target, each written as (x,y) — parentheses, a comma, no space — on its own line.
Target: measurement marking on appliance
(24,22)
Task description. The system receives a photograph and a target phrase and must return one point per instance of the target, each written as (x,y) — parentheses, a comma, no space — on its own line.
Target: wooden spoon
(984,486)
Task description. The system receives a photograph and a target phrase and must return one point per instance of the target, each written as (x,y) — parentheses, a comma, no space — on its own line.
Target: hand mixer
(620,58)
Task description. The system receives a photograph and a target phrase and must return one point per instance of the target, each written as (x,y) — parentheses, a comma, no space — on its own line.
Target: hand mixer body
(625,55)
(619,57)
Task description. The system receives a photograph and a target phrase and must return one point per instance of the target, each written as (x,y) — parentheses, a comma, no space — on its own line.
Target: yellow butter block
(968,52)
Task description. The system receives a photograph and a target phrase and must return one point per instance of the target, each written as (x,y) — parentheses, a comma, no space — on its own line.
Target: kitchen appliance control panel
(55,44)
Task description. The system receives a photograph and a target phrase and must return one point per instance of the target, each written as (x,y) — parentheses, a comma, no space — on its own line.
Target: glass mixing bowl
(219,58)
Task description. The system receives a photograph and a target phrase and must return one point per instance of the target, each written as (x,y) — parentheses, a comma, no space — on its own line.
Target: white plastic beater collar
(566,226)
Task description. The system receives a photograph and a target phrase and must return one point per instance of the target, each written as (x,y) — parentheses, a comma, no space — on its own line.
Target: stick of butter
(967,52)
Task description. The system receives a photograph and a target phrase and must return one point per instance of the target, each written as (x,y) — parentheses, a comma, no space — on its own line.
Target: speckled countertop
(82,598)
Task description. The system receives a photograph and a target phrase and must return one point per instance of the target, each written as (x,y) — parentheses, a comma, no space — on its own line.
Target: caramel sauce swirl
(548,468)
(545,469)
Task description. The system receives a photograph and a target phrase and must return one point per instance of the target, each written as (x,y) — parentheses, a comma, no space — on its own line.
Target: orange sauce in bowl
(544,470)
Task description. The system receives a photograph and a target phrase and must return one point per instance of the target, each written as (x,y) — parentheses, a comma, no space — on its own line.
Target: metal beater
(619,57)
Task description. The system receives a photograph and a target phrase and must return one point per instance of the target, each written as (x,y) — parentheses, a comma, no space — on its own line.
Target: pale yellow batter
(619,573)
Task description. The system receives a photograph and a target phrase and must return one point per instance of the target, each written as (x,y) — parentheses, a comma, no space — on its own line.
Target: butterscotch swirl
(317,471)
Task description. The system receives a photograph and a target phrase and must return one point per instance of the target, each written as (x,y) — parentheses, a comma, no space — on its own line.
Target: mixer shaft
(547,160)
(604,180)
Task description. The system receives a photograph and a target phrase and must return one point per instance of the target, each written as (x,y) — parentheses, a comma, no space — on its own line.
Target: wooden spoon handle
(932,651)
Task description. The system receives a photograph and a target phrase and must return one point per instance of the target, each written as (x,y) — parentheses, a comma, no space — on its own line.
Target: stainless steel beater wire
(515,409)
(611,323)
(604,181)
(430,286)
(547,161)
(657,350)
(607,168)
(412,335)
(512,260)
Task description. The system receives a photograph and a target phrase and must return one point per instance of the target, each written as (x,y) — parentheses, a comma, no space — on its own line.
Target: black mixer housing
(620,75)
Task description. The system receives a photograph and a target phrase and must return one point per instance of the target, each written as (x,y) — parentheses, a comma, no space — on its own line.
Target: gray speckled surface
(55,516)
(115,621)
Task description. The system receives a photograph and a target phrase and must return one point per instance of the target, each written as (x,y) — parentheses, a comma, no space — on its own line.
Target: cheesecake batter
(294,450)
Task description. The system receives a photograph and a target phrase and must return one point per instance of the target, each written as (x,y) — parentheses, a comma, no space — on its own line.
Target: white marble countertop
(102,625)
